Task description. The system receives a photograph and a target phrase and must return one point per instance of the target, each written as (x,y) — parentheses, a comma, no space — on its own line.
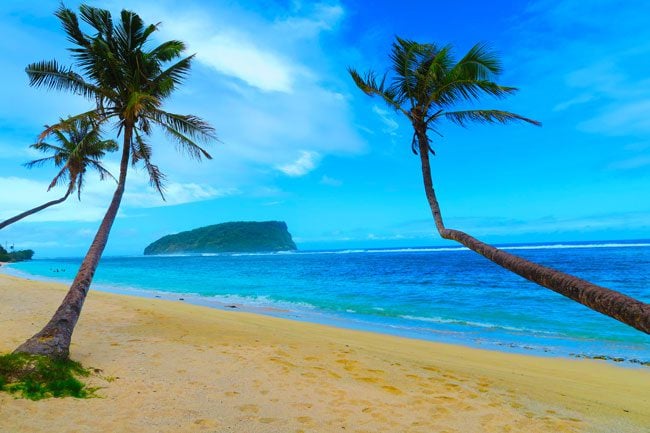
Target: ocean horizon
(443,294)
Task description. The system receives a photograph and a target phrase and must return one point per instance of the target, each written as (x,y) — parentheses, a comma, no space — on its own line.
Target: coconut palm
(79,147)
(128,81)
(426,85)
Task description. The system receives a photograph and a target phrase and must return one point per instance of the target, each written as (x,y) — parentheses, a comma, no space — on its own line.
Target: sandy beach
(170,367)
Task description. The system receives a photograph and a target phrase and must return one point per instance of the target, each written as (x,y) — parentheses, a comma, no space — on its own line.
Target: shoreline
(293,312)
(206,370)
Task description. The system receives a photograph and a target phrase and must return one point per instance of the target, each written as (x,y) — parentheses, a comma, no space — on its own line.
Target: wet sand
(170,367)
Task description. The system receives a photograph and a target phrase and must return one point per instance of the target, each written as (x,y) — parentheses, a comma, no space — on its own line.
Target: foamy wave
(570,246)
(269,253)
(421,249)
(259,301)
(486,325)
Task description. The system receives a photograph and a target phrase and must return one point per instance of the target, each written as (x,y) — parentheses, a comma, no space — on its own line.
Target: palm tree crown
(425,84)
(79,147)
(127,80)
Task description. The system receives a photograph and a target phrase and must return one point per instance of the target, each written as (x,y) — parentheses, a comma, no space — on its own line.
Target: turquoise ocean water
(440,294)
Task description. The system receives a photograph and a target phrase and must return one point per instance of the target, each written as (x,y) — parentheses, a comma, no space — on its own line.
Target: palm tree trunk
(606,301)
(18,217)
(54,339)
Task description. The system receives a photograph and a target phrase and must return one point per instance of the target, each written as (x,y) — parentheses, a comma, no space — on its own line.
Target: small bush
(37,377)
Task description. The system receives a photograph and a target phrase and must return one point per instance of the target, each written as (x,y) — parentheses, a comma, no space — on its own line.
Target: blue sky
(299,143)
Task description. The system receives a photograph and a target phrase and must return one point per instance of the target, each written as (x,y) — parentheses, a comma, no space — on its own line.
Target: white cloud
(233,54)
(245,47)
(324,17)
(306,162)
(275,105)
(20,194)
(262,79)
(390,125)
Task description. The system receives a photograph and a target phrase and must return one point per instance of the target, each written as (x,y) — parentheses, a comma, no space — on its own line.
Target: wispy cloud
(387,118)
(306,162)
(321,17)
(20,194)
(232,52)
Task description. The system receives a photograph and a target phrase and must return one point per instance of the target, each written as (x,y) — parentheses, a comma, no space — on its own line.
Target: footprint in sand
(206,422)
(305,420)
(348,364)
(367,379)
(248,408)
(392,389)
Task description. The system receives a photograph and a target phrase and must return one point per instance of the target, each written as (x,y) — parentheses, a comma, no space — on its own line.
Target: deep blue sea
(442,294)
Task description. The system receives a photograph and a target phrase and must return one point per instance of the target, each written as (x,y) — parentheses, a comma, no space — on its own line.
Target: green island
(230,237)
(15,256)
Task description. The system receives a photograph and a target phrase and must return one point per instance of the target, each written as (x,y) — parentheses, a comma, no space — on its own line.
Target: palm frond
(188,125)
(99,19)
(63,124)
(49,74)
(71,26)
(185,143)
(464,89)
(174,74)
(465,117)
(139,103)
(141,151)
(103,172)
(79,184)
(433,68)
(480,63)
(60,177)
(38,162)
(403,56)
(168,51)
(368,84)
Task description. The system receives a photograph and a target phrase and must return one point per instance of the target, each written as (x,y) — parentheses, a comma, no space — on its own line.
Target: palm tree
(129,83)
(79,147)
(425,85)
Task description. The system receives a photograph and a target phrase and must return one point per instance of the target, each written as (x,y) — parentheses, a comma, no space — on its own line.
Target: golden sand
(172,367)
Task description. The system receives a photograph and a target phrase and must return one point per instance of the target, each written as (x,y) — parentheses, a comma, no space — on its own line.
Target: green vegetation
(230,237)
(15,256)
(36,377)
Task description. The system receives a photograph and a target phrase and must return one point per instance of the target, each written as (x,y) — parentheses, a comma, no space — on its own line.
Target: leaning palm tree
(425,85)
(129,83)
(79,147)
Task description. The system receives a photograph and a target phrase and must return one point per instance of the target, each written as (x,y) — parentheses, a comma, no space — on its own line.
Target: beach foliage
(36,377)
(428,85)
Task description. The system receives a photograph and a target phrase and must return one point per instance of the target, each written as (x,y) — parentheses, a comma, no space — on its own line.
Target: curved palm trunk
(54,339)
(18,217)
(606,301)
